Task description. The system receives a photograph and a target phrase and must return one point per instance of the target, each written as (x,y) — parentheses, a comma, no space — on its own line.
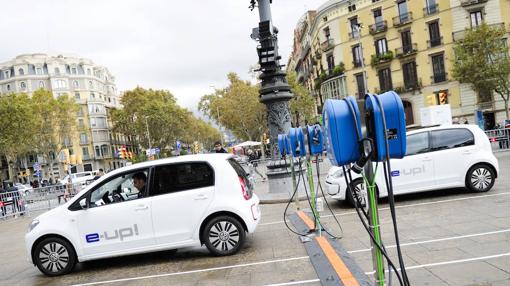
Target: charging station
(283,144)
(315,139)
(297,142)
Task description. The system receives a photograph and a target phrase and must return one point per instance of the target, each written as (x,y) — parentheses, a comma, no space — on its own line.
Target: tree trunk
(506,107)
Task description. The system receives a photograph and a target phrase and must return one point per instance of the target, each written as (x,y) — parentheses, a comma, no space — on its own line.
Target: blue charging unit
(283,144)
(341,130)
(297,142)
(389,104)
(315,139)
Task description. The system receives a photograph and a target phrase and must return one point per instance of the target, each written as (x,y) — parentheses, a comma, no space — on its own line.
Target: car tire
(358,185)
(54,256)
(223,235)
(480,178)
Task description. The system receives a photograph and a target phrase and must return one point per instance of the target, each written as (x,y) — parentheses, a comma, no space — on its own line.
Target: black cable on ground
(319,185)
(391,198)
(288,204)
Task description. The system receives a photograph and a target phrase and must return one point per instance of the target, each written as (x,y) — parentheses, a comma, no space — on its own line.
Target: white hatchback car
(157,205)
(436,158)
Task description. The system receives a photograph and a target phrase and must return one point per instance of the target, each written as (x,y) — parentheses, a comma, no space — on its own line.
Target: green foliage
(166,121)
(482,60)
(377,59)
(339,69)
(303,104)
(237,108)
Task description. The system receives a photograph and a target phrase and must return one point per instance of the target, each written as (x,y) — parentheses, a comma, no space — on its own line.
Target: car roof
(178,159)
(471,127)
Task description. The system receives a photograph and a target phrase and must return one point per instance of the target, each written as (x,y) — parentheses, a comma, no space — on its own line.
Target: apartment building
(353,47)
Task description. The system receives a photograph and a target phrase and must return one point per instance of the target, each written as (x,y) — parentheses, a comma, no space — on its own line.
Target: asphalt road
(448,237)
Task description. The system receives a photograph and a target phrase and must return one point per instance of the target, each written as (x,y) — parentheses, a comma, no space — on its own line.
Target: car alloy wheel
(54,256)
(358,189)
(480,178)
(223,235)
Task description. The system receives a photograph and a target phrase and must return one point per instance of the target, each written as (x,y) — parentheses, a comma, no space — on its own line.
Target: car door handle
(200,197)
(467,152)
(141,208)
(426,159)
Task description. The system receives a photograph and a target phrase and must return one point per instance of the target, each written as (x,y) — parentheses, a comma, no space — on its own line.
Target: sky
(186,47)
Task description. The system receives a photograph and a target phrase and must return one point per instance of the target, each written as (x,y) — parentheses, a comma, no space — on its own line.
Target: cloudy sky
(187,47)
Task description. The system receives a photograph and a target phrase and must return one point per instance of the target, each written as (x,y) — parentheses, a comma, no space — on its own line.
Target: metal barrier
(500,139)
(22,202)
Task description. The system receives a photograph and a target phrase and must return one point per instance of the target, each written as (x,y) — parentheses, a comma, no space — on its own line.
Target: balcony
(402,19)
(430,10)
(439,77)
(460,35)
(488,105)
(465,3)
(408,86)
(381,58)
(434,42)
(406,50)
(327,45)
(378,27)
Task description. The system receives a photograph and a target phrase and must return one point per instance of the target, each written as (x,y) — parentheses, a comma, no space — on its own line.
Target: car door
(182,193)
(415,171)
(118,217)
(451,152)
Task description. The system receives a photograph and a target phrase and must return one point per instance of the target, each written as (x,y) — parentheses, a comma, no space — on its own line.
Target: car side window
(124,187)
(417,143)
(451,138)
(181,176)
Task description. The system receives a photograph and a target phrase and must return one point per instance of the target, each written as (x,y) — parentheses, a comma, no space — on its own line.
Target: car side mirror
(83,204)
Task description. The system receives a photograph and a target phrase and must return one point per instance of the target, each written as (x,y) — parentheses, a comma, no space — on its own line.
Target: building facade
(352,47)
(93,87)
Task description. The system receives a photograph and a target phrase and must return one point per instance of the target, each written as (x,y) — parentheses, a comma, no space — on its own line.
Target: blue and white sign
(178,145)
(37,166)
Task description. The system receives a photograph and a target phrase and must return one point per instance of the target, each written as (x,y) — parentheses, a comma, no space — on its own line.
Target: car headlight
(33,224)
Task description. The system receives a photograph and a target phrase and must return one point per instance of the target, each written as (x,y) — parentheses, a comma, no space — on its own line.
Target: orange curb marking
(343,272)
(309,223)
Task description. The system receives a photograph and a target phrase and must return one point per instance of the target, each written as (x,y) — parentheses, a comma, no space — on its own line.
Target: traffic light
(443,97)
(431,99)
(123,154)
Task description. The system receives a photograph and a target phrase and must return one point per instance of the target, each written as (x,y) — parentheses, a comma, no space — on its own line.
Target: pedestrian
(68,190)
(253,162)
(219,148)
(99,174)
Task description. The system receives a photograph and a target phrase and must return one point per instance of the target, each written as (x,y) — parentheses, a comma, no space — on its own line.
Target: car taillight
(244,189)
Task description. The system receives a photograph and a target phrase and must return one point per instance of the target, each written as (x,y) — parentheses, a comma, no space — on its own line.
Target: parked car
(192,200)
(436,158)
(79,178)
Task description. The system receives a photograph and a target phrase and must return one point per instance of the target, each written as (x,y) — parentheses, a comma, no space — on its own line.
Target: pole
(358,28)
(373,220)
(148,134)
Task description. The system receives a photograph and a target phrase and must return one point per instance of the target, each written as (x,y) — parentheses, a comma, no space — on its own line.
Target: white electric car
(436,158)
(157,205)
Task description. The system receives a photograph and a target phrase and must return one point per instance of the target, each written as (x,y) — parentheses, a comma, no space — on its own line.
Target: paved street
(449,237)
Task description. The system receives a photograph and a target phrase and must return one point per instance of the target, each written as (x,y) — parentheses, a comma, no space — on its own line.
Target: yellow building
(352,47)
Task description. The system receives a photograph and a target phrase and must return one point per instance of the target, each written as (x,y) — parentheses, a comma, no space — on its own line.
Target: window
(21,72)
(385,79)
(118,189)
(7,74)
(354,27)
(407,45)
(57,71)
(431,7)
(81,122)
(41,84)
(402,12)
(98,152)
(83,138)
(435,36)
(410,76)
(417,143)
(378,18)
(180,177)
(38,71)
(476,18)
(91,86)
(360,81)
(381,46)
(77,95)
(71,151)
(60,83)
(352,7)
(23,85)
(451,138)
(438,68)
(8,87)
(356,56)
(327,33)
(331,62)
(73,70)
(88,72)
(76,84)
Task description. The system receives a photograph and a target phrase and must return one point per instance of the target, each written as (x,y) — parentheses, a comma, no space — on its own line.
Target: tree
(303,104)
(17,133)
(55,121)
(237,107)
(157,112)
(482,60)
